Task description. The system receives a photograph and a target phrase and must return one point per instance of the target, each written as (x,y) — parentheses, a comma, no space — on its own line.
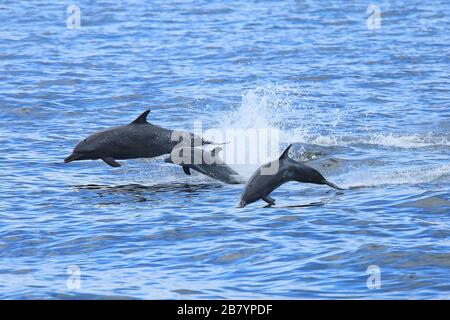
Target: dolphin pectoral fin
(186,170)
(269,199)
(110,161)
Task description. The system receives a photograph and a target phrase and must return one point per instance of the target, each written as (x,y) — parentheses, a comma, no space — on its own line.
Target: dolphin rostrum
(206,162)
(138,139)
(260,185)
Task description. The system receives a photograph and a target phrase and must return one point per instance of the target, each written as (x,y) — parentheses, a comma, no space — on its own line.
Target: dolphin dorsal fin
(142,119)
(215,151)
(285,153)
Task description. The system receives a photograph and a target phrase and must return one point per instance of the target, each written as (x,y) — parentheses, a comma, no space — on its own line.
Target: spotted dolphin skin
(138,139)
(206,162)
(259,186)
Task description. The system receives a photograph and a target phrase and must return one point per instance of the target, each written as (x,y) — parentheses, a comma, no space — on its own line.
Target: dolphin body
(138,139)
(206,162)
(260,186)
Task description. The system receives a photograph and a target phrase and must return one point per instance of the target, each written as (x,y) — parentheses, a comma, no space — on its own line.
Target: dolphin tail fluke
(333,185)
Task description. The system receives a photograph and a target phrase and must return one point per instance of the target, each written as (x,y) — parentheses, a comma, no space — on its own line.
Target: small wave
(429,202)
(395,177)
(411,141)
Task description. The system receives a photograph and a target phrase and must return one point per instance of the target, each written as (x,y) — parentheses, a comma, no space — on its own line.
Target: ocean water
(366,103)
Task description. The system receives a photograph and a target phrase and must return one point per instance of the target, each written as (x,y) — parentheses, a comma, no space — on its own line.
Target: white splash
(287,109)
(263,109)
(275,106)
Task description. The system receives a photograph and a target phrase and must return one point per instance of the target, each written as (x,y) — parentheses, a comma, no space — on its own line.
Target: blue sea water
(367,106)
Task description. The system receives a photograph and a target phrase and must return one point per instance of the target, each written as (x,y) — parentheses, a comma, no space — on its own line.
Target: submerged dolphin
(259,186)
(204,162)
(138,139)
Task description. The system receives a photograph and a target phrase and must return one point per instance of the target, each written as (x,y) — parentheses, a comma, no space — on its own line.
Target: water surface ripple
(369,108)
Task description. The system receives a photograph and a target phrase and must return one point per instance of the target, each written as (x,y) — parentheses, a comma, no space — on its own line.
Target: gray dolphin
(260,186)
(206,162)
(138,139)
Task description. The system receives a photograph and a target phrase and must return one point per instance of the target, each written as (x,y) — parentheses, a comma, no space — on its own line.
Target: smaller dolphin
(204,162)
(138,139)
(259,186)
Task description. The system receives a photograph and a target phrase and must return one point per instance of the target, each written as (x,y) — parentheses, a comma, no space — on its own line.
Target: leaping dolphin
(138,139)
(259,186)
(206,162)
